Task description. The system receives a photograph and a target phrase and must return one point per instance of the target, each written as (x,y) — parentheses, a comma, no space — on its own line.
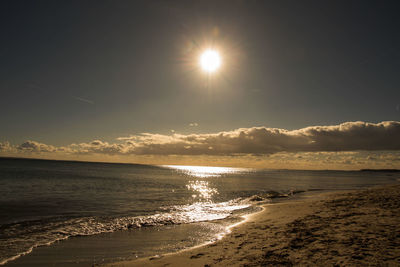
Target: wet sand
(355,228)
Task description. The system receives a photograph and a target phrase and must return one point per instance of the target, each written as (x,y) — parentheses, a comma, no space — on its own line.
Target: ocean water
(53,207)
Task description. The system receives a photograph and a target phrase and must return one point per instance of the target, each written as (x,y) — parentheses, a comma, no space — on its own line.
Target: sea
(68,213)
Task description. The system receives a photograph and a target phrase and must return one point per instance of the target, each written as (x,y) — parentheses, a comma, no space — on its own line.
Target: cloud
(256,141)
(97,147)
(349,136)
(33,146)
(5,147)
(193,124)
(84,100)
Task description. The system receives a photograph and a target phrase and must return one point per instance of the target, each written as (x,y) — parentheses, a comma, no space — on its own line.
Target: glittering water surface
(206,171)
(45,201)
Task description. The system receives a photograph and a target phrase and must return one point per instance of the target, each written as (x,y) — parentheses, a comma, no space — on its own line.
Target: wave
(21,238)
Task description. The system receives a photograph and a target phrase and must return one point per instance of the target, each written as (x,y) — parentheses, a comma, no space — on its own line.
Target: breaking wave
(21,238)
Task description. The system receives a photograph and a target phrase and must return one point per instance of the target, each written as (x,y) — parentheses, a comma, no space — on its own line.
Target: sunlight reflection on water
(205,208)
(205,171)
(202,188)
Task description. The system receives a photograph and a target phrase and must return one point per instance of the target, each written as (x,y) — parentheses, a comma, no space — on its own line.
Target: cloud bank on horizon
(348,136)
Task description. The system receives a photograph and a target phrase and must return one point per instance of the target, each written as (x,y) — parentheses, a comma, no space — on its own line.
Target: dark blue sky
(73,71)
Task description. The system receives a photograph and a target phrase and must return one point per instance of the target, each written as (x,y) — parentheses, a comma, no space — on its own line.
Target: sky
(302,84)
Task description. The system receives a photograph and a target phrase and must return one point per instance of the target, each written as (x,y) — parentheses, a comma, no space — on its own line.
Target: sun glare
(206,171)
(210,60)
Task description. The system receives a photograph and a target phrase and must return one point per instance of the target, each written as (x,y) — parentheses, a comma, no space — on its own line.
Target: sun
(210,60)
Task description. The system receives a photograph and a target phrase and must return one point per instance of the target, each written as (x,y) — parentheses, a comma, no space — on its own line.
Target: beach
(199,133)
(354,228)
(87,213)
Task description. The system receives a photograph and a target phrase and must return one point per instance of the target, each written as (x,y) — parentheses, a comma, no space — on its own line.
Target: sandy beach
(356,228)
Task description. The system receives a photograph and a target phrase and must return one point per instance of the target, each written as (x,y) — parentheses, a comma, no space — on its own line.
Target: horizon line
(162,165)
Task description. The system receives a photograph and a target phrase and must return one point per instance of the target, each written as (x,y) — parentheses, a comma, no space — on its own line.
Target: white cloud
(84,100)
(98,147)
(5,147)
(349,136)
(33,146)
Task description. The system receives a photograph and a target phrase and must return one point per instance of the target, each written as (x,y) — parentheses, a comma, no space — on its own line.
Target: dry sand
(357,228)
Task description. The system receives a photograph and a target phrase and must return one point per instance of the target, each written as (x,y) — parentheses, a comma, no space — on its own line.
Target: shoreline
(358,227)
